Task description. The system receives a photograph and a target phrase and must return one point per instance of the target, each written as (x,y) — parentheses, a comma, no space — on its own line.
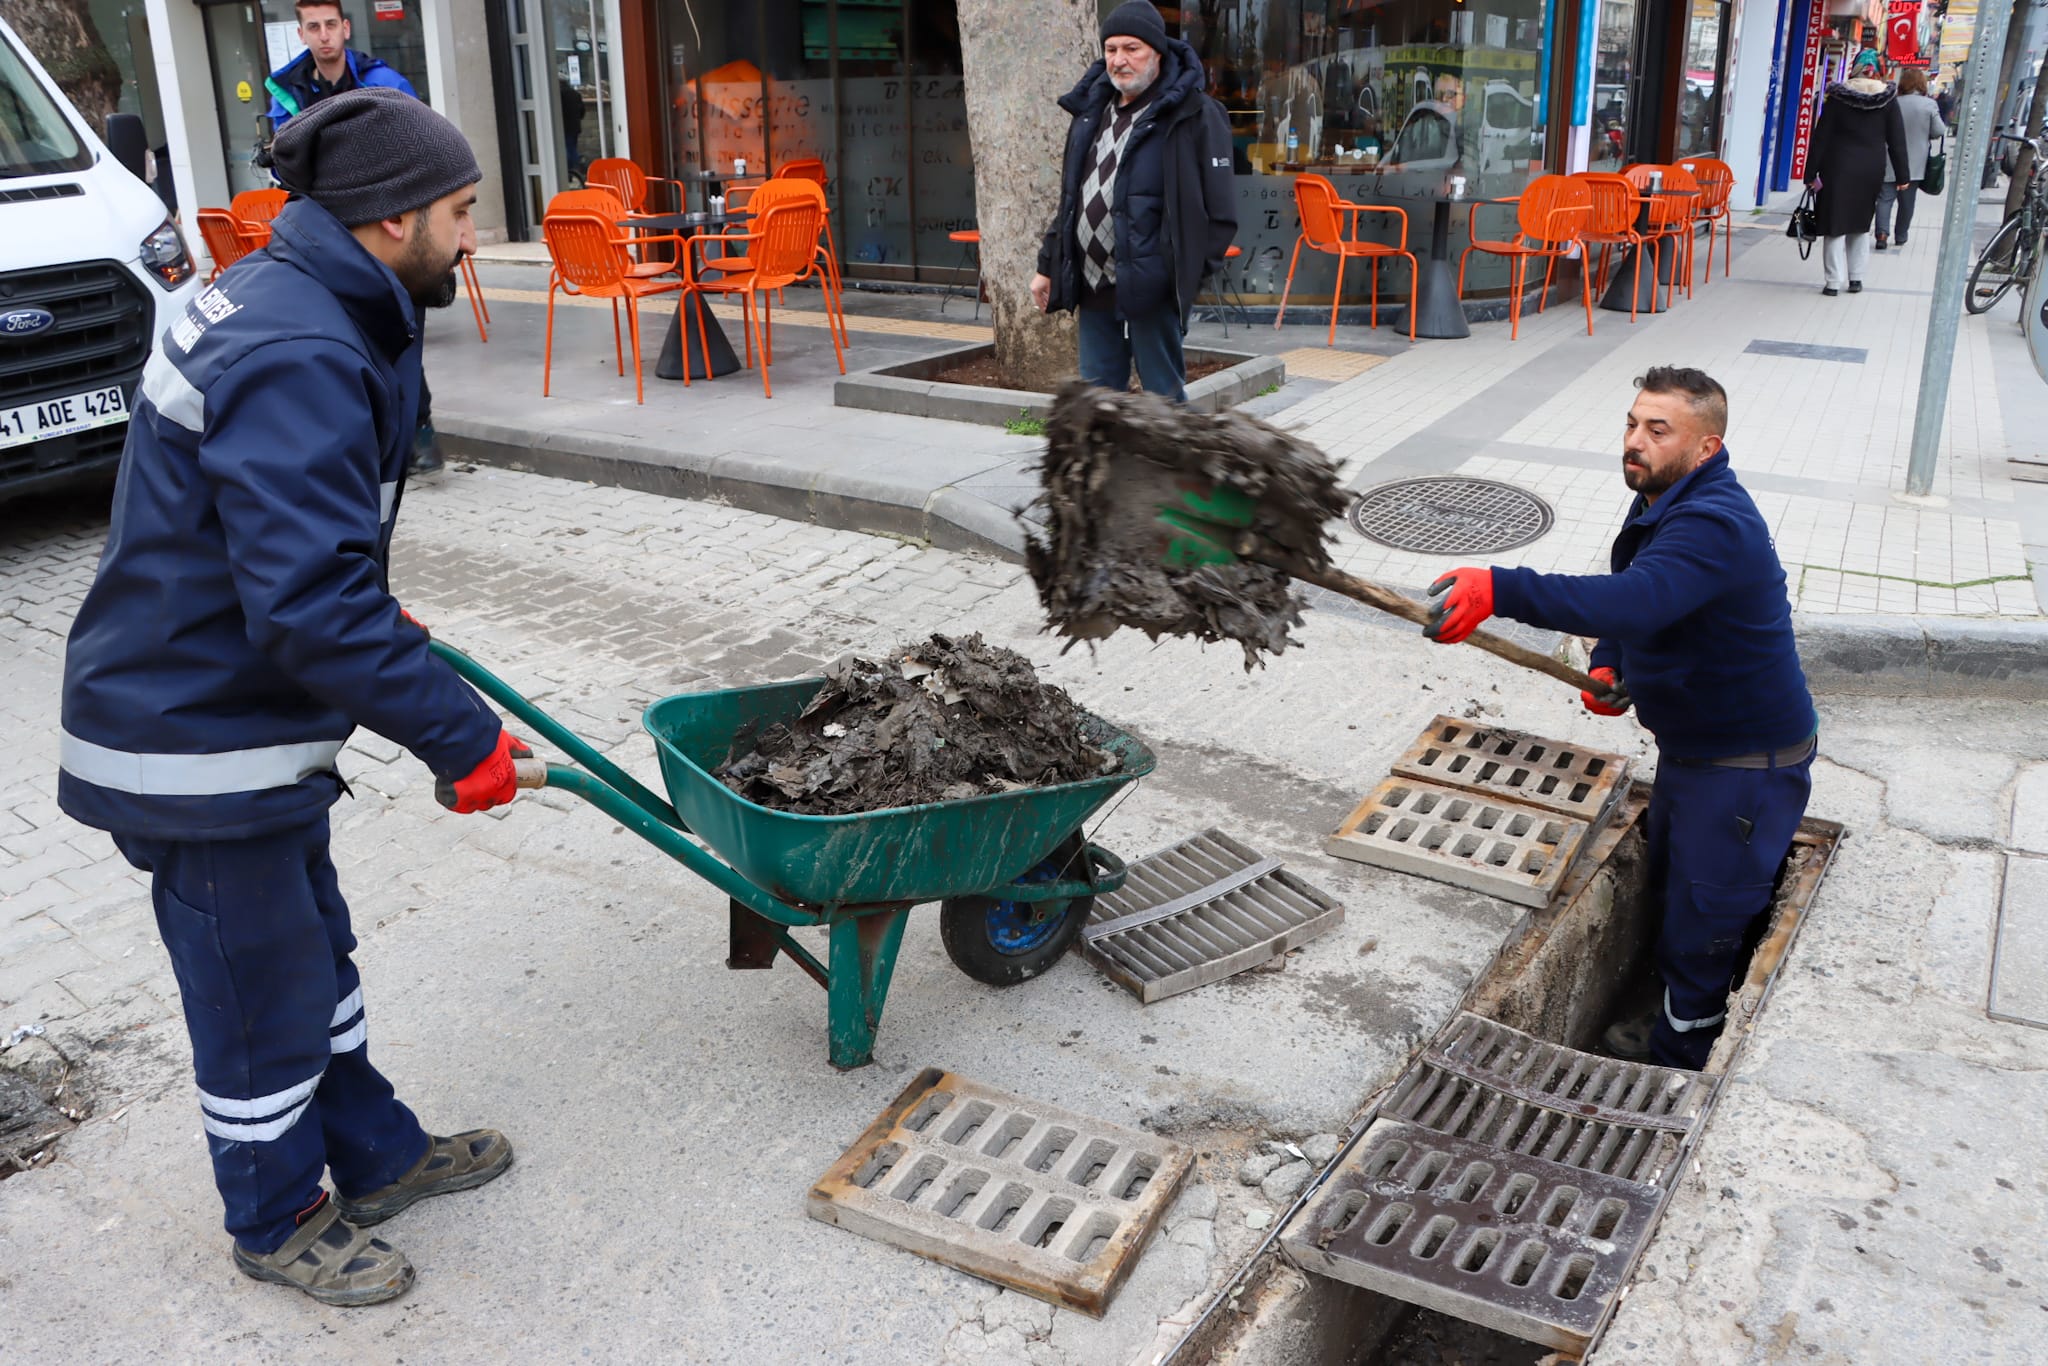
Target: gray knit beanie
(372,153)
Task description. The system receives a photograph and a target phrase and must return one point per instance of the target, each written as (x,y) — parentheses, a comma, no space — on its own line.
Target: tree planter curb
(907,388)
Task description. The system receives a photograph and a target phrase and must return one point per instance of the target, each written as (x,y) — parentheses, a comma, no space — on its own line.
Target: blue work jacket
(294,87)
(1694,618)
(240,626)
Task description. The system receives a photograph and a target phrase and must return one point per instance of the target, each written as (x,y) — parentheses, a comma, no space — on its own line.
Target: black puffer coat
(1176,198)
(1859,125)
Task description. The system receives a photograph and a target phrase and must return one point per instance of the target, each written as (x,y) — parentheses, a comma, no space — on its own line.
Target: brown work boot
(449,1164)
(332,1262)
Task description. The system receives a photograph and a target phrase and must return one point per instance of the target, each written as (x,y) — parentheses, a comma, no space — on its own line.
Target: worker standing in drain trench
(1695,627)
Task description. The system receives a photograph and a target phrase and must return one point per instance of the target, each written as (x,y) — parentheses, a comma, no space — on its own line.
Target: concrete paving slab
(2029,828)
(2019,967)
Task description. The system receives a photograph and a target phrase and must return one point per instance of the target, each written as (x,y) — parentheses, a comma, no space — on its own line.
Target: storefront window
(1699,102)
(1390,101)
(1614,82)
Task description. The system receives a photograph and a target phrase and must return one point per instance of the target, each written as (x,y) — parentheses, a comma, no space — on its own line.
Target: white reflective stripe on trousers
(194,775)
(1688,1026)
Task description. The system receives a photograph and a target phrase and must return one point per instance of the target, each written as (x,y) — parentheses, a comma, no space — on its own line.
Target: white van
(91,270)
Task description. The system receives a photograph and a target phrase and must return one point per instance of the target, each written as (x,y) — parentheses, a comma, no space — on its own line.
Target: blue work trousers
(1717,837)
(259,938)
(1111,345)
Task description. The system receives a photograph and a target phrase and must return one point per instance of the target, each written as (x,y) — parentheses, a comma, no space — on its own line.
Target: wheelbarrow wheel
(1004,942)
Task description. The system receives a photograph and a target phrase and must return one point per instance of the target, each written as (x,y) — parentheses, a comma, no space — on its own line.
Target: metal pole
(1952,263)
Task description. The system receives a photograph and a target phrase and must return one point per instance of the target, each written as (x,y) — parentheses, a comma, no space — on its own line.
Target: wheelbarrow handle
(530,774)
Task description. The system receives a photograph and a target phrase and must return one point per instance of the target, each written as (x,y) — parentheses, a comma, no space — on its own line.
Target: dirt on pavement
(936,720)
(1111,460)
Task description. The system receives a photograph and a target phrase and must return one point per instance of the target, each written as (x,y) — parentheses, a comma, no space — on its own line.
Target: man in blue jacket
(328,66)
(239,628)
(1695,628)
(1147,208)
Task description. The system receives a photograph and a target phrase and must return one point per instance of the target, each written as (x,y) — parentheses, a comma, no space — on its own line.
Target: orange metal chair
(781,190)
(1322,229)
(226,240)
(1549,216)
(605,202)
(1670,218)
(1717,187)
(782,247)
(969,240)
(625,179)
(258,207)
(588,259)
(813,168)
(1612,224)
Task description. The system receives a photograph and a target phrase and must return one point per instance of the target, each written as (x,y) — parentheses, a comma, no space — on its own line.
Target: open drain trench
(1492,1199)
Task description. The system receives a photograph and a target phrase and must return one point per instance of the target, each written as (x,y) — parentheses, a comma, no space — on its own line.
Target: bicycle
(2014,252)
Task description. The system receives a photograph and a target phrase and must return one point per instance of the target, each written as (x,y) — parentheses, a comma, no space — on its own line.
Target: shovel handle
(1387,600)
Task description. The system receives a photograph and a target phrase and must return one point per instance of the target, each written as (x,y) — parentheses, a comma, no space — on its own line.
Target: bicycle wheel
(1997,270)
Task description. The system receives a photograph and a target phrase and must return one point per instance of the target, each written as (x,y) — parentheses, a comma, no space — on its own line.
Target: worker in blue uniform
(238,630)
(1694,626)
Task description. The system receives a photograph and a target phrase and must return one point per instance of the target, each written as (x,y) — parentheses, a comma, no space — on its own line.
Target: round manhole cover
(1450,516)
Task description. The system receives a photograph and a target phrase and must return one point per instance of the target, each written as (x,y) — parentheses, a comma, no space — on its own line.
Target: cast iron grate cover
(1507,1181)
(1046,1201)
(1198,912)
(1450,515)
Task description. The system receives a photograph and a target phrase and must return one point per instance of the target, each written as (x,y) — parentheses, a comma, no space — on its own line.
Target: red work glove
(417,622)
(1613,701)
(1461,600)
(491,783)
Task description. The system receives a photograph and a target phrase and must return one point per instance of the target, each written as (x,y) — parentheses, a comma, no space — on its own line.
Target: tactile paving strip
(1518,1244)
(1511,764)
(1485,1082)
(1033,1197)
(1193,914)
(1505,849)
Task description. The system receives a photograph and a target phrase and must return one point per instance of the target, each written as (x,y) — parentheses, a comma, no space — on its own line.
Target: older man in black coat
(1859,126)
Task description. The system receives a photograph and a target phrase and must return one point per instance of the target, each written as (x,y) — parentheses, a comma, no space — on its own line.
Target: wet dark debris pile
(937,720)
(1111,459)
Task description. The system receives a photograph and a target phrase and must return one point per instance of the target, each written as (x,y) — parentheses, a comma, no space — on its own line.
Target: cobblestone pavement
(531,969)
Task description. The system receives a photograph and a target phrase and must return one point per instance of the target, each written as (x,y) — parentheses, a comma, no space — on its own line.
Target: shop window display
(1393,102)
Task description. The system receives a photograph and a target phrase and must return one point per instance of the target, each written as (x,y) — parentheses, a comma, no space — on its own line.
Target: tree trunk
(1018,57)
(63,37)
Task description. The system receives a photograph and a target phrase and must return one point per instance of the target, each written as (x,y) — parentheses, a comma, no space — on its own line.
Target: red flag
(1902,31)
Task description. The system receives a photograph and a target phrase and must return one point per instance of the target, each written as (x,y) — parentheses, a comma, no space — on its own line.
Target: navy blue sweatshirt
(1694,618)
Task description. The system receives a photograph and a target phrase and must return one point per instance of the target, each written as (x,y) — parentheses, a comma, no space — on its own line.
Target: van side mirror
(128,142)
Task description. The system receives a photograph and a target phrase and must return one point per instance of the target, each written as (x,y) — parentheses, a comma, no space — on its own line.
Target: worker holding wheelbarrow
(239,629)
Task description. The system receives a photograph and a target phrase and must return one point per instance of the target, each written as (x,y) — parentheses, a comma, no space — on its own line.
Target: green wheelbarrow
(1013,873)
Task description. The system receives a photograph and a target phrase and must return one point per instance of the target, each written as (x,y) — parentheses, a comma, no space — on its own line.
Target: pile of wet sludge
(941,719)
(1112,460)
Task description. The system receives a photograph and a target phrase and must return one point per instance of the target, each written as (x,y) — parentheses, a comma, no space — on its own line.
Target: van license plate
(62,416)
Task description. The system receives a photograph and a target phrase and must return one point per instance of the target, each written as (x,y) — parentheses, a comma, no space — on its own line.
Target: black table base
(710,337)
(1623,284)
(1437,310)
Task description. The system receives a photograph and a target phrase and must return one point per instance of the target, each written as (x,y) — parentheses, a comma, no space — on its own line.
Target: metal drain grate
(1198,912)
(1037,1198)
(1486,1082)
(1505,849)
(1521,1245)
(1450,515)
(1520,767)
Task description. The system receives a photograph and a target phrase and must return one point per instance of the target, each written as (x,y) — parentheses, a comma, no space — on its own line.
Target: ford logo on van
(20,322)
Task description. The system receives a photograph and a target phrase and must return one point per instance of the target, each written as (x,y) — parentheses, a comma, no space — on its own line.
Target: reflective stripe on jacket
(240,626)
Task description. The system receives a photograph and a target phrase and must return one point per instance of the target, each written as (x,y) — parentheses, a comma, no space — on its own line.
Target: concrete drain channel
(1493,1198)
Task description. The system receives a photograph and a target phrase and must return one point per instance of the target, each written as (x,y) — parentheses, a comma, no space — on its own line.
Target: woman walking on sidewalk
(1859,127)
(1923,123)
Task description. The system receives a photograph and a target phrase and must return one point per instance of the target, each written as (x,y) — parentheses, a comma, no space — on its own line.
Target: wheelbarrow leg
(863,959)
(751,940)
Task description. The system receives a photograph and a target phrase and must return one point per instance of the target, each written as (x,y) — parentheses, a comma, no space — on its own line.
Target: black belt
(1768,758)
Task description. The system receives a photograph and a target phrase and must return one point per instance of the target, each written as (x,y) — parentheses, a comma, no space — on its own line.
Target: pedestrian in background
(240,627)
(1923,123)
(1859,127)
(1147,208)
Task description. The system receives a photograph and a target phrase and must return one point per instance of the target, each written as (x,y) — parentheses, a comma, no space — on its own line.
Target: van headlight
(164,256)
